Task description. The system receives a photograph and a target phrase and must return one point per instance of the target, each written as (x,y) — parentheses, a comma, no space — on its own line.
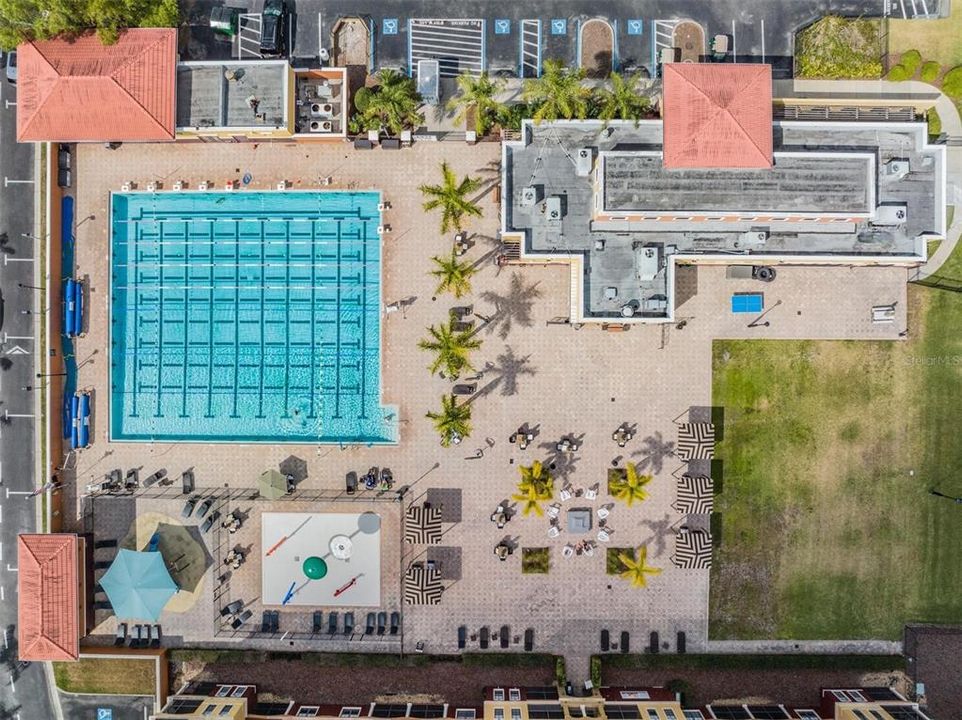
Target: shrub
(362,98)
(596,671)
(930,71)
(535,561)
(840,48)
(935,123)
(560,674)
(911,59)
(898,73)
(952,82)
(680,687)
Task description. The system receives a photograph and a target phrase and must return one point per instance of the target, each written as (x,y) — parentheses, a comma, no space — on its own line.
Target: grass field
(828,453)
(939,40)
(107,676)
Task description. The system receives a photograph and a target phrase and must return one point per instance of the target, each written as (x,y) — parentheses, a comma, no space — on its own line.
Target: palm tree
(452,349)
(453,275)
(393,104)
(558,93)
(451,197)
(453,423)
(621,100)
(477,94)
(636,571)
(630,486)
(536,486)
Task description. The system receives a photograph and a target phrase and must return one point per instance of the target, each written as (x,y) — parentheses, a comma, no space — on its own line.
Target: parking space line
(734,45)
(458,45)
(249,36)
(530,48)
(763,40)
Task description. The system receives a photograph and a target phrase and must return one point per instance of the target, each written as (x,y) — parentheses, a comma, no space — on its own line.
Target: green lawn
(829,449)
(106,676)
(939,40)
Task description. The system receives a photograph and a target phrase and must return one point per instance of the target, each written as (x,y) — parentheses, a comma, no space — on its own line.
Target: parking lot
(510,38)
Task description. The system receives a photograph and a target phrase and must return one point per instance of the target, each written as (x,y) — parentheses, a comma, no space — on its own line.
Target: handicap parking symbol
(636,27)
(105,714)
(502,27)
(559,26)
(389,27)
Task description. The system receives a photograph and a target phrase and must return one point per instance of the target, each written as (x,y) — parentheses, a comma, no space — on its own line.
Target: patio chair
(591,494)
(505,636)
(605,641)
(155,637)
(371,619)
(554,510)
(331,623)
(381,622)
(625,641)
(553,531)
(564,495)
(121,637)
(349,623)
(653,644)
(529,640)
(603,513)
(604,536)
(462,637)
(485,637)
(568,551)
(317,622)
(589,550)
(395,622)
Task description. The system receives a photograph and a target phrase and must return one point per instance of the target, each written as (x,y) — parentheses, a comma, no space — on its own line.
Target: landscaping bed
(106,676)
(839,48)
(360,678)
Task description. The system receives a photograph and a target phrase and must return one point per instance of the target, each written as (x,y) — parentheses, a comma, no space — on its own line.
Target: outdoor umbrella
(138,585)
(272,485)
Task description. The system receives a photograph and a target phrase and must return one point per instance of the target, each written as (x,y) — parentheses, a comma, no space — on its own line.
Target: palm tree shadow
(660,530)
(508,368)
(654,450)
(561,465)
(511,308)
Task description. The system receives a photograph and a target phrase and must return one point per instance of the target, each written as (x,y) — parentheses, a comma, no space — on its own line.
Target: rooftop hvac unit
(583,162)
(647,263)
(552,208)
(890,215)
(529,196)
(752,238)
(322,109)
(320,126)
(896,169)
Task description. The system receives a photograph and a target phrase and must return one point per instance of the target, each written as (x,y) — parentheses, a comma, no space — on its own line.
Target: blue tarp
(138,585)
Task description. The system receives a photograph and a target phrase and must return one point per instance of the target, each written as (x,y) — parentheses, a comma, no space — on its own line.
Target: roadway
(23,692)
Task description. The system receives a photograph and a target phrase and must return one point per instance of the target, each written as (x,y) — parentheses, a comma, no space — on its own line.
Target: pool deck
(557,379)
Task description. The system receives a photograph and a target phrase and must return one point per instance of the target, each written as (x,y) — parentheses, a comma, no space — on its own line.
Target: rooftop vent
(552,207)
(583,162)
(890,215)
(896,169)
(529,196)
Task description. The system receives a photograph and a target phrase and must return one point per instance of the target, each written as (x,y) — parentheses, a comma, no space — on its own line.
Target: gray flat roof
(823,183)
(207,99)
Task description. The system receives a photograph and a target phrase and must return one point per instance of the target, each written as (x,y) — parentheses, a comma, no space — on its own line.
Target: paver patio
(558,379)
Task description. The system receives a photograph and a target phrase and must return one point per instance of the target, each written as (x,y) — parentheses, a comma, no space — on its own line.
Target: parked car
(274,28)
(12,67)
(205,507)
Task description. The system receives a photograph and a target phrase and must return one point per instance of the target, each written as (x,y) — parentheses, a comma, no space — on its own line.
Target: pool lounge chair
(275,621)
(381,622)
(504,635)
(231,608)
(485,637)
(625,641)
(155,637)
(350,483)
(462,637)
(317,622)
(121,637)
(395,622)
(605,641)
(331,623)
(369,628)
(653,644)
(349,623)
(680,643)
(529,640)
(241,619)
(266,621)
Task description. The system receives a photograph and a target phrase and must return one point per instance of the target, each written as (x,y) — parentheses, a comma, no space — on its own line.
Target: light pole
(956,500)
(28,287)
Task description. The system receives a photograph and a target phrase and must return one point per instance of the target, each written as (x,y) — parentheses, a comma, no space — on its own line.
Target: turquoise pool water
(247,317)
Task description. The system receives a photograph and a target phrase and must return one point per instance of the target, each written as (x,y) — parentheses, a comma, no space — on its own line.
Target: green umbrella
(272,485)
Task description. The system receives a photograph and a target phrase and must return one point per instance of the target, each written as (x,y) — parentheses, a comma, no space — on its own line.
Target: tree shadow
(508,368)
(511,308)
(5,246)
(660,530)
(654,450)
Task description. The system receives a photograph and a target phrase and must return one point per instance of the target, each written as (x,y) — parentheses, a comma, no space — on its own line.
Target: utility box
(429,82)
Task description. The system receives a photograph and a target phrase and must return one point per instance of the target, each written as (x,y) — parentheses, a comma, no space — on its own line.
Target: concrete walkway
(804,647)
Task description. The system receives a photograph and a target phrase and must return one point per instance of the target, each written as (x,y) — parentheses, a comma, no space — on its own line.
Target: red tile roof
(48,619)
(717,115)
(83,91)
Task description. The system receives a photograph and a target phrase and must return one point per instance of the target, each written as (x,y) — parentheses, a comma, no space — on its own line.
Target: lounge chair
(381,622)
(187,481)
(653,644)
(242,618)
(275,621)
(266,621)
(189,506)
(462,637)
(591,494)
(680,642)
(103,605)
(625,641)
(464,389)
(485,637)
(605,641)
(504,635)
(205,507)
(136,636)
(110,543)
(564,495)
(102,564)
(529,640)
(121,637)
(369,628)
(349,623)
(331,623)
(231,608)
(317,624)
(350,483)
(155,637)
(395,622)
(553,531)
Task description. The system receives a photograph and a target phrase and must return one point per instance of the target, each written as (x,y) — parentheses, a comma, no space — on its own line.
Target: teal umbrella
(138,585)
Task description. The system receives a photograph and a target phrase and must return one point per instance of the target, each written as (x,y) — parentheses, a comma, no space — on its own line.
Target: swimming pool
(247,317)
